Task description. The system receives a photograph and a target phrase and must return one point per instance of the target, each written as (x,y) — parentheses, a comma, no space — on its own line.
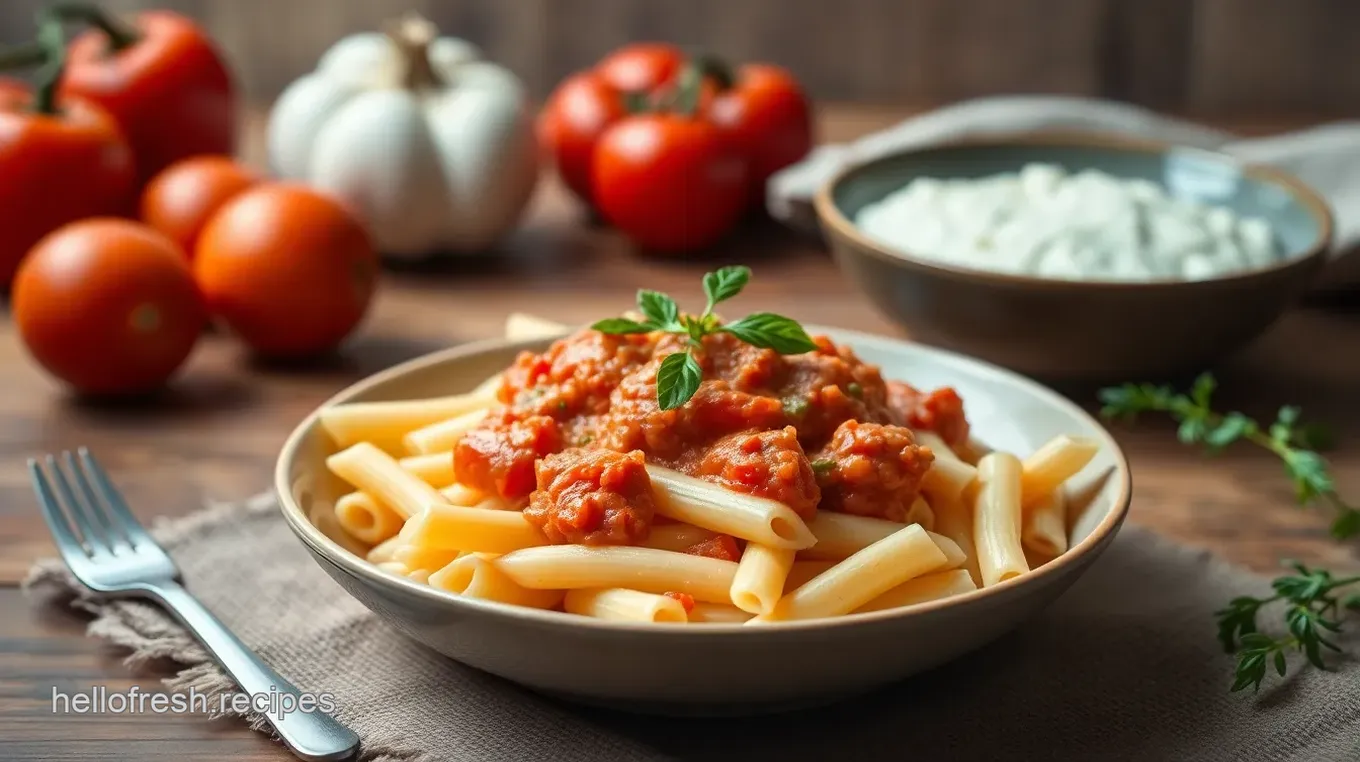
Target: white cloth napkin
(1325,157)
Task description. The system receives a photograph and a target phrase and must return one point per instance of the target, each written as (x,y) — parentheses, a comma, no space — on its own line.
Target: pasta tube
(926,588)
(569,567)
(366,519)
(625,605)
(1058,460)
(1043,527)
(759,582)
(755,519)
(996,519)
(384,424)
(375,472)
(444,435)
(903,555)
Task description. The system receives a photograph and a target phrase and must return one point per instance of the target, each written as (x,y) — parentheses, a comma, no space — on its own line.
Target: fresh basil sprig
(679,376)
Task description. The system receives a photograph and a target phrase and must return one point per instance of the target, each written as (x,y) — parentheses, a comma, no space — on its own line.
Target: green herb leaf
(1309,472)
(1346,524)
(855,390)
(795,407)
(1203,389)
(725,283)
(677,380)
(661,310)
(770,331)
(1233,427)
(822,466)
(620,325)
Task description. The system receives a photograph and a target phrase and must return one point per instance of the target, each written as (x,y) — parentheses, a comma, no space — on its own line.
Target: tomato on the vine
(767,113)
(641,67)
(671,181)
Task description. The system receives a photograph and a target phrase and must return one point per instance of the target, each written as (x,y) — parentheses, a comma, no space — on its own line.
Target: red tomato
(767,114)
(587,103)
(179,200)
(108,305)
(670,182)
(56,168)
(163,82)
(287,268)
(575,116)
(641,67)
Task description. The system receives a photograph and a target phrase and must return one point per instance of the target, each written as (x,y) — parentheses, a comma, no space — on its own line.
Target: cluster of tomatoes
(124,228)
(114,305)
(674,150)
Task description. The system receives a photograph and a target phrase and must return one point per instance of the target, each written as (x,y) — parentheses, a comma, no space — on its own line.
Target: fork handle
(314,736)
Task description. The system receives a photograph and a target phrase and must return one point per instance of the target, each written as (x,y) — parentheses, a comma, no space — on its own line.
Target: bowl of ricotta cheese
(1072,255)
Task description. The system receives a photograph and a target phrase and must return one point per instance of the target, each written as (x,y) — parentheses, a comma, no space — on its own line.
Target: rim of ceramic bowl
(340,557)
(1313,203)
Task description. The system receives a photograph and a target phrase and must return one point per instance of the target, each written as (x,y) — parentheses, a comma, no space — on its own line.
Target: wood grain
(215,434)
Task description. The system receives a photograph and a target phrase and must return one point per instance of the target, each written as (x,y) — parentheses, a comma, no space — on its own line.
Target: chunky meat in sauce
(871,469)
(750,427)
(592,497)
(940,411)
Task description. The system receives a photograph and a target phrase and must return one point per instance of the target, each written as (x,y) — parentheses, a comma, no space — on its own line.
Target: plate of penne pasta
(674,513)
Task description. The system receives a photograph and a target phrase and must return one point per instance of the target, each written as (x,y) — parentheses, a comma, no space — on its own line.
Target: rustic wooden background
(1207,57)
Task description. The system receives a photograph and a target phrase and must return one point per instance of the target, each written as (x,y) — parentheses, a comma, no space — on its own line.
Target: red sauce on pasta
(820,430)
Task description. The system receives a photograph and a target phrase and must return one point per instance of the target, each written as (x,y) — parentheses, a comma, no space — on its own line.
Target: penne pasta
(645,569)
(521,327)
(459,494)
(996,519)
(420,557)
(841,535)
(929,587)
(803,571)
(1058,460)
(384,424)
(675,537)
(383,551)
(435,469)
(759,582)
(850,584)
(921,513)
(476,576)
(375,472)
(954,519)
(949,475)
(419,575)
(621,604)
(442,436)
(1043,525)
(754,519)
(395,567)
(716,613)
(366,519)
(478,530)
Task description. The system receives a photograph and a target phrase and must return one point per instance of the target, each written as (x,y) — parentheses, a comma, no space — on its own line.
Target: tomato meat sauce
(578,423)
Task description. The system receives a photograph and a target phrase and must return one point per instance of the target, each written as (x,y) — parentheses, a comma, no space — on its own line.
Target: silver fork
(107,549)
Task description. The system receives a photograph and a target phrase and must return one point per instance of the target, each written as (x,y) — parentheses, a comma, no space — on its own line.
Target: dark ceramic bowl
(1098,330)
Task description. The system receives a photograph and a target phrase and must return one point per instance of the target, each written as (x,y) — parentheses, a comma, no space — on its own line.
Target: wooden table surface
(216,433)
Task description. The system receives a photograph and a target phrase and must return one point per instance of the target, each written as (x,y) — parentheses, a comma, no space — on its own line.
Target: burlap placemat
(1123,667)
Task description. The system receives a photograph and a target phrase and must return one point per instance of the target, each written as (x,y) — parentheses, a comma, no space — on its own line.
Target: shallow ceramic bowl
(707,669)
(1066,329)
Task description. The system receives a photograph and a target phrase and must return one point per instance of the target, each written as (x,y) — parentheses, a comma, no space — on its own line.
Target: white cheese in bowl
(1088,225)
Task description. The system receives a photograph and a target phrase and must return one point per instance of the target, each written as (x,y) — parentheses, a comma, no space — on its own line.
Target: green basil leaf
(660,310)
(620,325)
(770,331)
(677,380)
(724,284)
